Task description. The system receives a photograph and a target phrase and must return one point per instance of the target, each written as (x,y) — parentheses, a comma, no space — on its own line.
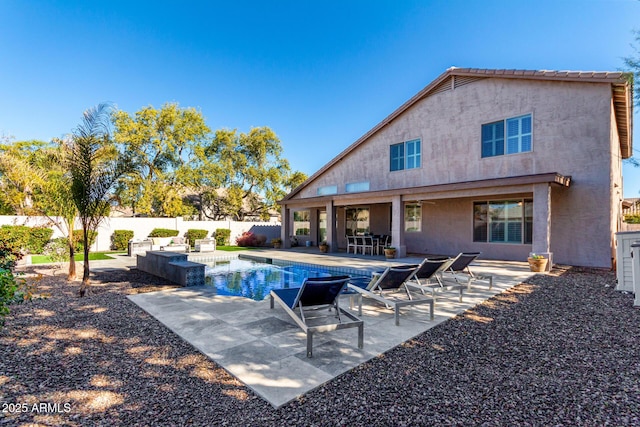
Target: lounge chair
(316,293)
(386,288)
(460,273)
(428,277)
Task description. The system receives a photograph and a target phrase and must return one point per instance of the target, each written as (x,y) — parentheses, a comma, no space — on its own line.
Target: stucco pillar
(285,229)
(397,226)
(541,219)
(332,231)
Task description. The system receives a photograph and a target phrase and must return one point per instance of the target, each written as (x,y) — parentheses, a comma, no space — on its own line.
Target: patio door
(357,221)
(322,226)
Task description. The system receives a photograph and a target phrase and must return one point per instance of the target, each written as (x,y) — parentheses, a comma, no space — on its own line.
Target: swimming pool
(251,279)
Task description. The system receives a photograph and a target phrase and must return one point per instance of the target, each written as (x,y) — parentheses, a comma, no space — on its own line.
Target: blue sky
(319,73)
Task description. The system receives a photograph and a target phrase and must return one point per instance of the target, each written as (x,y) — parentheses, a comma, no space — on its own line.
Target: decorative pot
(538,265)
(324,248)
(390,253)
(277,245)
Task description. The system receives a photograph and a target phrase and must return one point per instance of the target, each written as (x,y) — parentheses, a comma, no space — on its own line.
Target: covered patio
(443,219)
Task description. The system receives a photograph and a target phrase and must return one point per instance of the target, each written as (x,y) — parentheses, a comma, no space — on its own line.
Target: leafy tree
(37,178)
(633,67)
(95,167)
(158,141)
(19,175)
(252,172)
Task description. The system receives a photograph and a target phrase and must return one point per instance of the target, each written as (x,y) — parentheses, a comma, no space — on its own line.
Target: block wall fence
(141,227)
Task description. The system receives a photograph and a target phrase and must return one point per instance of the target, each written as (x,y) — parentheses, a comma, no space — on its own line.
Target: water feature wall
(172,266)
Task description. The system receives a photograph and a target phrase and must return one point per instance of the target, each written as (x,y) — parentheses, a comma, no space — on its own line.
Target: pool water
(250,279)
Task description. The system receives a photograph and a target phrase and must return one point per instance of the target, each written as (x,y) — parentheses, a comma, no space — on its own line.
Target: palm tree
(94,166)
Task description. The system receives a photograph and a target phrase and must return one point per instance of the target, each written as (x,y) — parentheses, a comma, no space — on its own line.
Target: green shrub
(9,255)
(223,236)
(120,239)
(57,249)
(163,232)
(38,238)
(632,219)
(8,289)
(194,233)
(23,238)
(78,239)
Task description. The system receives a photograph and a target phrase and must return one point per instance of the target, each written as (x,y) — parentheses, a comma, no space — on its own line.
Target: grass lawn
(233,248)
(93,256)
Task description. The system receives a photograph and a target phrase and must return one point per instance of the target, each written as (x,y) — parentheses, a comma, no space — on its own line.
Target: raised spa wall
(172,266)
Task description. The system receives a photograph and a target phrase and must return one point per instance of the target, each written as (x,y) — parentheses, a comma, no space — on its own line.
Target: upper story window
(327,189)
(356,187)
(516,139)
(405,155)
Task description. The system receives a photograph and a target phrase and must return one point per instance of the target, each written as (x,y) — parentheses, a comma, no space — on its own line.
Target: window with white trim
(301,223)
(412,218)
(503,221)
(405,155)
(509,136)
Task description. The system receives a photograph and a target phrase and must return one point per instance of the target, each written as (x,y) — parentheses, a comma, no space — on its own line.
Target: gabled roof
(622,93)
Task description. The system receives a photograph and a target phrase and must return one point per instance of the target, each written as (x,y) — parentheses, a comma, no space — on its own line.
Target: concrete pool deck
(266,350)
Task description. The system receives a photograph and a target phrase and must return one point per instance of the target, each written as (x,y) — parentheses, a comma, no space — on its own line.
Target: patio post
(332,232)
(397,226)
(285,228)
(541,243)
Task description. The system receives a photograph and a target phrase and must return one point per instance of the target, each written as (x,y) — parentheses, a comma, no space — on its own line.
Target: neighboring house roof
(622,93)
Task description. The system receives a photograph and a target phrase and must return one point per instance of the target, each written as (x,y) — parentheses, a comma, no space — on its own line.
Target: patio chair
(428,277)
(367,245)
(386,288)
(205,245)
(314,294)
(460,273)
(176,244)
(351,244)
(383,242)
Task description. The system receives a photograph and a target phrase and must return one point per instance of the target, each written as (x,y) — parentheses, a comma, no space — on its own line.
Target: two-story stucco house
(504,162)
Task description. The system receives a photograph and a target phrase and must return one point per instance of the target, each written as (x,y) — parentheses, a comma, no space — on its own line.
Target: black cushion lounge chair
(314,294)
(459,271)
(428,277)
(386,288)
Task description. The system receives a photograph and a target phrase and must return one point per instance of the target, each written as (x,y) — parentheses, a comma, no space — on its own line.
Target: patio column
(285,228)
(332,231)
(397,226)
(542,220)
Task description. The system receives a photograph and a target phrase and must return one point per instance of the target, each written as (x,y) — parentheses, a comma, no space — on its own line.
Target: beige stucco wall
(573,134)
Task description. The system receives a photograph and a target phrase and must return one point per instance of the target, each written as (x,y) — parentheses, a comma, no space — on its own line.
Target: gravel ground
(562,349)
